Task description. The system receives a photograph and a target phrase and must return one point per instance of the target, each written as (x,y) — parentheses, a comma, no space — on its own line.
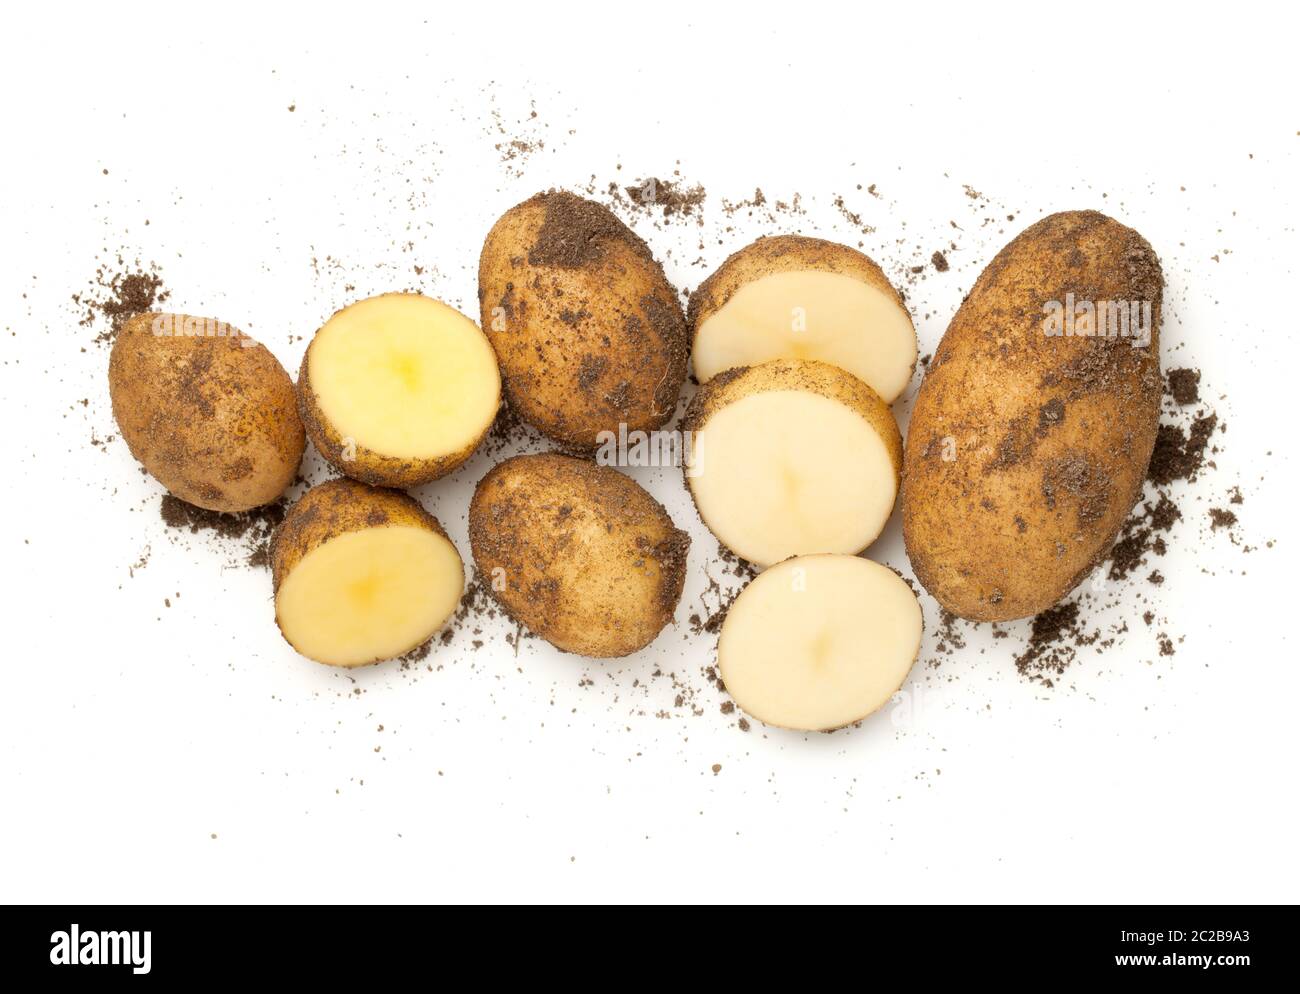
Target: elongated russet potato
(791,297)
(792,457)
(209,412)
(819,642)
(398,390)
(361,574)
(1035,423)
(589,332)
(579,553)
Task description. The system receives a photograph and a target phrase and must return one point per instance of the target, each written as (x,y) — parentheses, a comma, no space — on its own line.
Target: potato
(579,553)
(589,333)
(792,457)
(1032,430)
(398,390)
(209,412)
(819,642)
(361,574)
(791,297)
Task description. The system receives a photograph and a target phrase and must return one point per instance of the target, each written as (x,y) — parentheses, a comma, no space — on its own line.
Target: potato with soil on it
(209,412)
(361,574)
(588,331)
(578,553)
(1033,428)
(793,297)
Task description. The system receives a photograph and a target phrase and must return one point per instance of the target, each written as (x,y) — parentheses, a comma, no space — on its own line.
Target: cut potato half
(802,298)
(819,642)
(362,574)
(399,389)
(791,458)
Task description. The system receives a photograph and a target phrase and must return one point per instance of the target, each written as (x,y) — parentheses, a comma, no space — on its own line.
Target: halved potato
(790,458)
(791,297)
(398,390)
(819,642)
(361,574)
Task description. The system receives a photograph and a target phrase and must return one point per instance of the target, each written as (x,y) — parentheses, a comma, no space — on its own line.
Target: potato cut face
(819,642)
(790,472)
(810,314)
(369,595)
(405,376)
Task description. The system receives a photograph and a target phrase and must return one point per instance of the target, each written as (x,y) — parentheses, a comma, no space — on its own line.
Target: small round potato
(579,553)
(209,412)
(361,574)
(589,333)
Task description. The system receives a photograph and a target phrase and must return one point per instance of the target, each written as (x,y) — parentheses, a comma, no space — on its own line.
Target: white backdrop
(158,741)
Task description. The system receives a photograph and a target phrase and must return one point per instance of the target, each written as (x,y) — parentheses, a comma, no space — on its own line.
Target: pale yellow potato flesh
(819,642)
(405,376)
(369,595)
(790,472)
(811,314)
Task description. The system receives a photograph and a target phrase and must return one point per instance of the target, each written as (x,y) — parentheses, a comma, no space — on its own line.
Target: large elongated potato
(1034,425)
(588,331)
(792,297)
(361,574)
(578,552)
(207,410)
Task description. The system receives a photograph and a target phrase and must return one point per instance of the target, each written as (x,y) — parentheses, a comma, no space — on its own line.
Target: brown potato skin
(335,508)
(591,562)
(587,329)
(1052,435)
(783,254)
(213,418)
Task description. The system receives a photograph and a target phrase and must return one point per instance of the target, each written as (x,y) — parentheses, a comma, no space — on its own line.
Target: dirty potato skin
(588,331)
(213,417)
(579,553)
(1025,451)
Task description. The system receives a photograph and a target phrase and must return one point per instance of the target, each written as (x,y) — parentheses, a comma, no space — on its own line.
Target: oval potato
(588,331)
(1027,448)
(209,412)
(579,553)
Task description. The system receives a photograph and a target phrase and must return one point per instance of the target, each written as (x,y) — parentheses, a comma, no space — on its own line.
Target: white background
(185,753)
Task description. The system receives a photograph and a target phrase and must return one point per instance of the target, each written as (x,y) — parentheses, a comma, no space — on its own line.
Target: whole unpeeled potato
(588,331)
(579,553)
(1032,430)
(210,413)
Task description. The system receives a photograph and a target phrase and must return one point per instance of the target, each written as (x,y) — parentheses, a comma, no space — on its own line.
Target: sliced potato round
(362,574)
(793,297)
(819,642)
(399,389)
(791,458)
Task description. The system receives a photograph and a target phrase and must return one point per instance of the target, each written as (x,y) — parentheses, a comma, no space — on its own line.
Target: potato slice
(790,458)
(819,642)
(804,298)
(399,389)
(362,574)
